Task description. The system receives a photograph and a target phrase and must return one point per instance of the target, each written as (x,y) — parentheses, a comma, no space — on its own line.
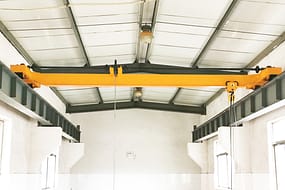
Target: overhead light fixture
(146,34)
(137,93)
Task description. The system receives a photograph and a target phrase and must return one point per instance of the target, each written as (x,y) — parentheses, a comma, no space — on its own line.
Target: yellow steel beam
(251,81)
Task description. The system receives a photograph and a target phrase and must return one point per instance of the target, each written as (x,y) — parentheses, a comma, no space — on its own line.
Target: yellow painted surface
(144,80)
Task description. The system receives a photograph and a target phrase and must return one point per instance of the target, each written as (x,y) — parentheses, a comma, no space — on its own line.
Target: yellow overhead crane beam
(118,78)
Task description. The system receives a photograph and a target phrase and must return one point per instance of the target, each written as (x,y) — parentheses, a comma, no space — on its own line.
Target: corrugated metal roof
(109,30)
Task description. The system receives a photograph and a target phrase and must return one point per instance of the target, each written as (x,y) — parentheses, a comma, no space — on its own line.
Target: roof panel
(87,95)
(72,62)
(170,60)
(110,94)
(187,29)
(195,96)
(238,45)
(192,8)
(47,42)
(247,36)
(264,12)
(110,50)
(109,60)
(179,39)
(254,28)
(266,18)
(30,9)
(207,63)
(104,47)
(66,88)
(157,94)
(187,21)
(108,38)
(50,54)
(106,19)
(267,1)
(229,56)
(29,4)
(166,50)
(87,8)
(38,24)
(42,33)
(93,29)
(46,48)
(109,31)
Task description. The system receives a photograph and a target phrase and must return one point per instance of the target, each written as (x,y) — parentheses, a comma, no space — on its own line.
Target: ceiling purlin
(213,36)
(153,23)
(266,51)
(79,41)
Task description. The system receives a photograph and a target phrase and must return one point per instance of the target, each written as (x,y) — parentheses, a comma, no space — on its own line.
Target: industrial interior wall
(250,142)
(23,150)
(251,155)
(11,57)
(135,149)
(15,158)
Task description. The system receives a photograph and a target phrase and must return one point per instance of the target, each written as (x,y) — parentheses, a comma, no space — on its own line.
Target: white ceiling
(109,30)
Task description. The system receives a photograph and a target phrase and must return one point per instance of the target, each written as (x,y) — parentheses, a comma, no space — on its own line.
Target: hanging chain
(114,136)
(232,119)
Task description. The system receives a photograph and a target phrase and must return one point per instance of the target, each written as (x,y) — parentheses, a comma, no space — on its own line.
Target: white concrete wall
(24,155)
(251,142)
(251,154)
(159,140)
(26,145)
(16,147)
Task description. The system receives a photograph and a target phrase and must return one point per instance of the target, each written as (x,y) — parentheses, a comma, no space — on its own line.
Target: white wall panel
(137,181)
(159,140)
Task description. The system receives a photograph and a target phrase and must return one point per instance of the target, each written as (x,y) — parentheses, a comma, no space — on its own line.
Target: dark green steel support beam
(20,96)
(213,36)
(253,104)
(17,94)
(138,104)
